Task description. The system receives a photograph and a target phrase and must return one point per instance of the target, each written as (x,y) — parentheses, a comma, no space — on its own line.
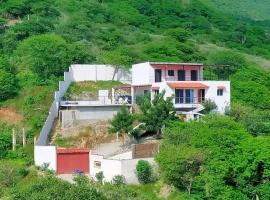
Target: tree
(119,58)
(157,112)
(8,85)
(179,34)
(235,61)
(47,55)
(122,122)
(144,172)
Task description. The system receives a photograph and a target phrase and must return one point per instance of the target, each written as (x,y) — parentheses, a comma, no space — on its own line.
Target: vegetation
(216,158)
(122,122)
(144,172)
(90,87)
(157,112)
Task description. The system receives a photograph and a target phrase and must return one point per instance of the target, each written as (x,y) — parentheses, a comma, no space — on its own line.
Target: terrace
(97,93)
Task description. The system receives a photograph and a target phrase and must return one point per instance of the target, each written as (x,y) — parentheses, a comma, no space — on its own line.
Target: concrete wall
(141,74)
(129,169)
(89,113)
(109,167)
(98,72)
(45,155)
(123,156)
(121,164)
(221,101)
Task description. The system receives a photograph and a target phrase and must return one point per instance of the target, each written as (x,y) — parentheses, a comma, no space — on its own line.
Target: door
(189,98)
(194,75)
(181,75)
(179,96)
(67,163)
(158,75)
(201,95)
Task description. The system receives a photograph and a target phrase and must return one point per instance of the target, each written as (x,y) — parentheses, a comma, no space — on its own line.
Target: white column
(133,95)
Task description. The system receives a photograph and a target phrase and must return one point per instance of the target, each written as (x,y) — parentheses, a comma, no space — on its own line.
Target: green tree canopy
(48,55)
(157,112)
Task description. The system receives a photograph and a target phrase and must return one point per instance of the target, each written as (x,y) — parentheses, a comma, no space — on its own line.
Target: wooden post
(13,139)
(35,139)
(23,137)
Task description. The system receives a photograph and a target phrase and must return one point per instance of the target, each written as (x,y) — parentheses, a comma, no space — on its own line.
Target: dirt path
(10,116)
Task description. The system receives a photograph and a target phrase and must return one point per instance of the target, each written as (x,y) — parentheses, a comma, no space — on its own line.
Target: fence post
(13,139)
(23,137)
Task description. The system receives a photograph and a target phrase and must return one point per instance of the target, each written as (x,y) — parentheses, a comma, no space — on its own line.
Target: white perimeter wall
(121,164)
(45,155)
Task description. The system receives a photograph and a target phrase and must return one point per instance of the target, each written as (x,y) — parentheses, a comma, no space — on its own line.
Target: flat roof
(174,63)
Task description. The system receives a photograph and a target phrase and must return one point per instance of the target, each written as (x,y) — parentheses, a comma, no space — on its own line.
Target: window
(158,75)
(181,75)
(97,164)
(170,72)
(194,75)
(220,92)
(156,92)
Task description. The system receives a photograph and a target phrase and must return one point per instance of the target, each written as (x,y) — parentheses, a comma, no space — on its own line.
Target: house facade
(184,81)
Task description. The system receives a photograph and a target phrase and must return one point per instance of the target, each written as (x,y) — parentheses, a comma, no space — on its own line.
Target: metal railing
(189,100)
(99,100)
(187,78)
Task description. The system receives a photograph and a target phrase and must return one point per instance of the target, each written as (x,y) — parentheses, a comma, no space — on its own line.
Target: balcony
(189,100)
(187,78)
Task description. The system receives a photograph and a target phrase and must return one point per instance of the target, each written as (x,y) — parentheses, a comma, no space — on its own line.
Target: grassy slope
(209,48)
(254,9)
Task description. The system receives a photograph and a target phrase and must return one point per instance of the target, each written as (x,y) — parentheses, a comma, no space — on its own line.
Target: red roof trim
(187,85)
(155,88)
(62,150)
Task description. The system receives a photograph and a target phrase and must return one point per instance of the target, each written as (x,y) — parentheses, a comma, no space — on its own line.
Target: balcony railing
(187,78)
(189,100)
(98,100)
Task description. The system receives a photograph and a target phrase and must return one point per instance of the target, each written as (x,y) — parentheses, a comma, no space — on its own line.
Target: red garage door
(69,160)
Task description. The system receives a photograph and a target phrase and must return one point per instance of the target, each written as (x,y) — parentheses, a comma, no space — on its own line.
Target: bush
(8,85)
(144,172)
(209,106)
(99,176)
(119,180)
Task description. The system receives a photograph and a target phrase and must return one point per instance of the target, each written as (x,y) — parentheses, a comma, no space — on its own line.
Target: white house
(183,81)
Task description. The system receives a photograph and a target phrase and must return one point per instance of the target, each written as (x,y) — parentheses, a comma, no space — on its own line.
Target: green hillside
(221,157)
(257,10)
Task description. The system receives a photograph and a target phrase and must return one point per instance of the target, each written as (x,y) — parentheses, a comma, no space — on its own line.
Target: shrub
(8,85)
(209,106)
(119,180)
(99,176)
(144,172)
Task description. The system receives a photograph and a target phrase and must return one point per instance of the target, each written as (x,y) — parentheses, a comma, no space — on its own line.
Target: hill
(257,10)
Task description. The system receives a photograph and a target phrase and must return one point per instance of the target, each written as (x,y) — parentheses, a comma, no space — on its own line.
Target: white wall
(221,101)
(123,156)
(129,169)
(45,154)
(109,167)
(98,72)
(121,164)
(141,74)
